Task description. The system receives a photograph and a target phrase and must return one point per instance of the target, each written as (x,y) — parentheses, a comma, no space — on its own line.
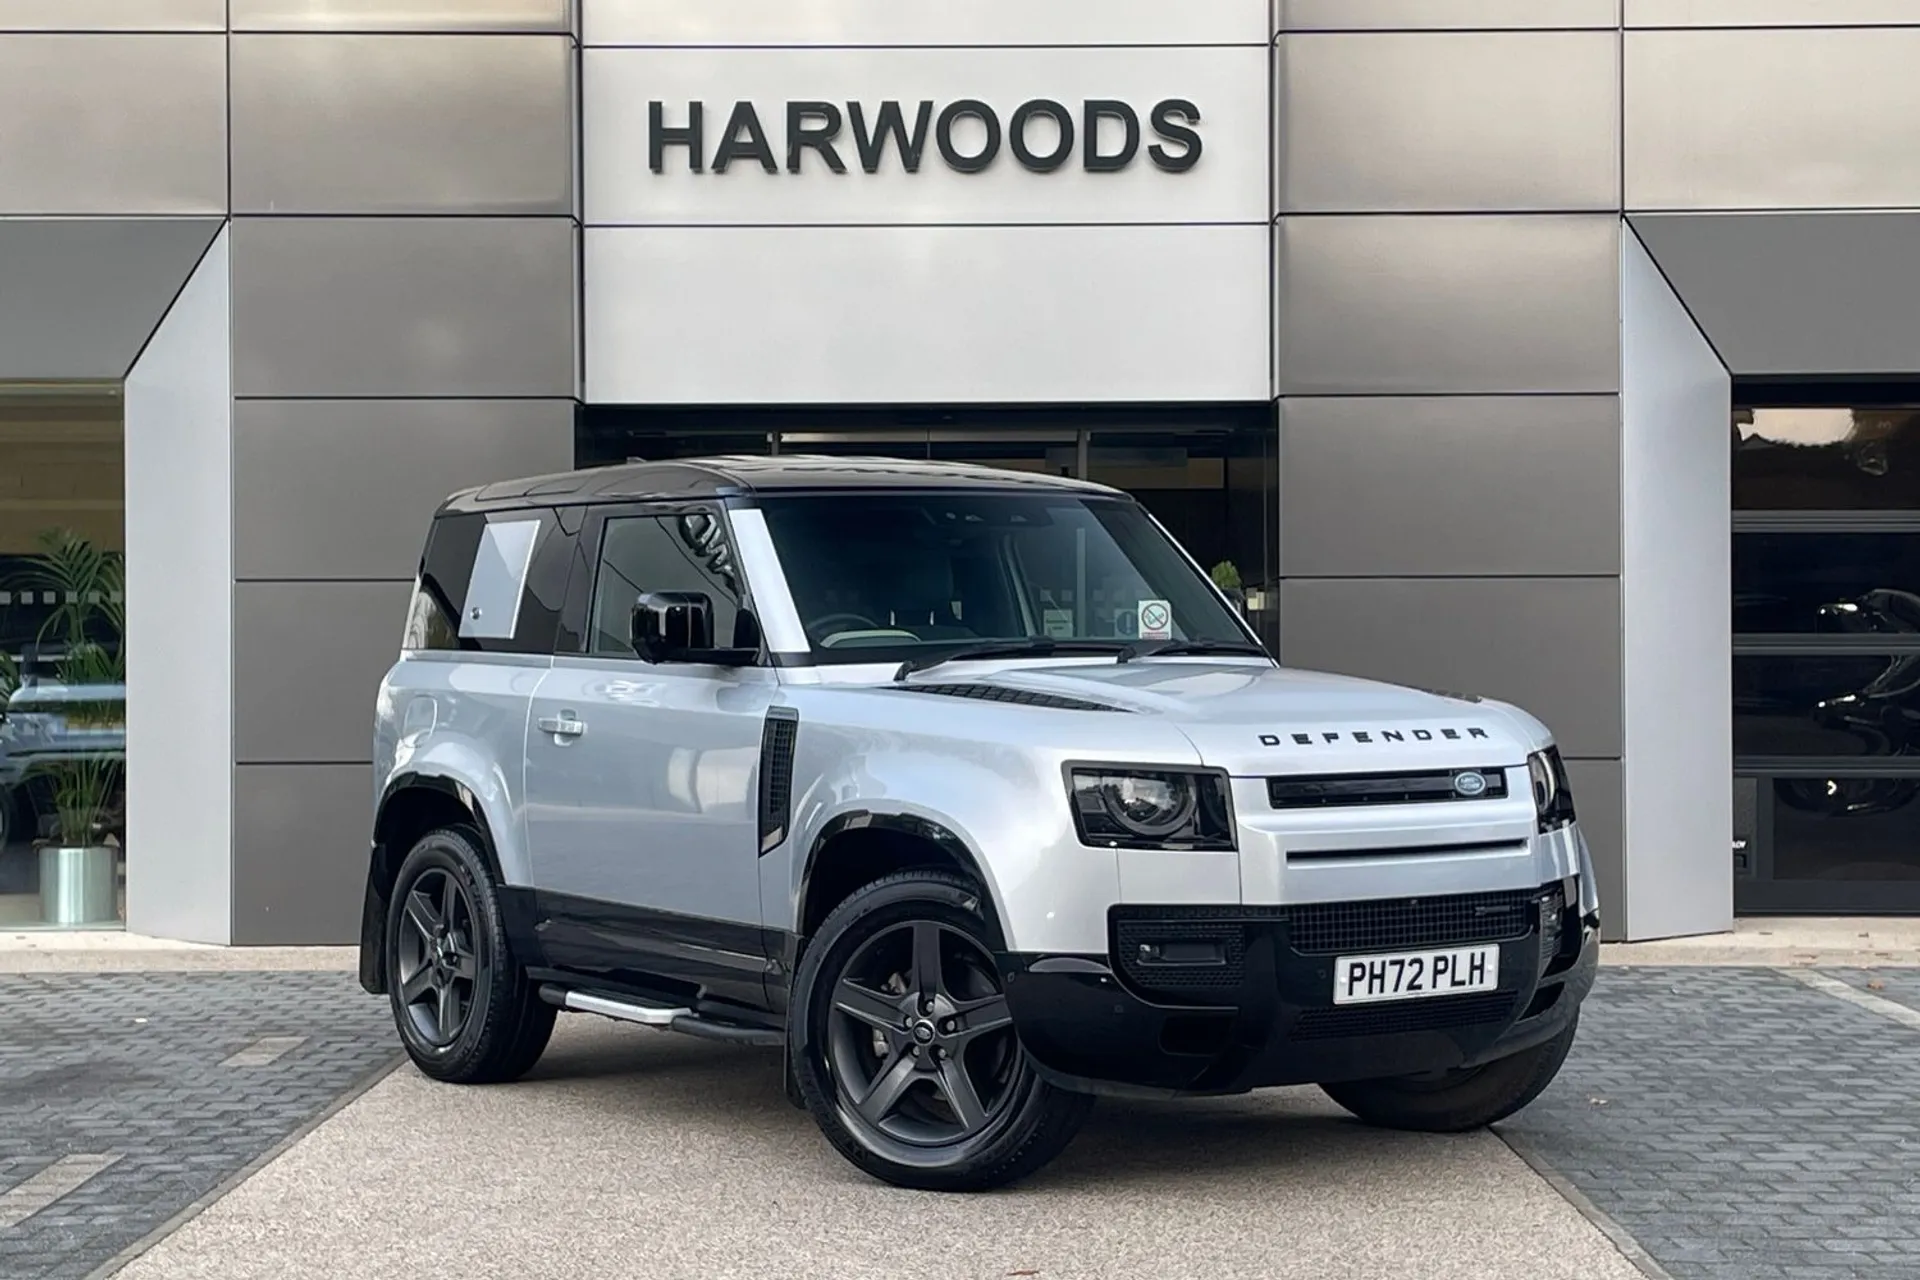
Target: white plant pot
(79,886)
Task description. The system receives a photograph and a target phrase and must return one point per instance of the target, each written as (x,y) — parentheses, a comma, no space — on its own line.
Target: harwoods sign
(823,128)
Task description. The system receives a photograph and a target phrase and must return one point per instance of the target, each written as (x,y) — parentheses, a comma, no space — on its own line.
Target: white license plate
(1414,975)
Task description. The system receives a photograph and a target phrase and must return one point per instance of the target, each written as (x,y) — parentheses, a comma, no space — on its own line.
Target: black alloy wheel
(463,1004)
(920,1037)
(437,967)
(905,1049)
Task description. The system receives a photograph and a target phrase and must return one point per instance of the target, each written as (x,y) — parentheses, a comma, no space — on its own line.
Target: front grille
(1332,928)
(1430,786)
(1386,1020)
(1000,693)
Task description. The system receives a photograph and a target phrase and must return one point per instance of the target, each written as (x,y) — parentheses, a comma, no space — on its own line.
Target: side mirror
(677,626)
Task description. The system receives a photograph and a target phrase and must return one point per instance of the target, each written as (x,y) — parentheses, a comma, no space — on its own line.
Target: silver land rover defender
(965,787)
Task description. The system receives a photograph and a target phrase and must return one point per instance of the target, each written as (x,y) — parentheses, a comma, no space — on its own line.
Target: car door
(641,805)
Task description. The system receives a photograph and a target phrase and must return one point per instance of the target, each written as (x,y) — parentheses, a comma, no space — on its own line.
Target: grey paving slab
(114,1094)
(1742,1125)
(1902,986)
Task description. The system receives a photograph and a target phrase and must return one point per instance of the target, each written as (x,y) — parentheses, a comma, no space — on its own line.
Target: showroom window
(62,657)
(1826,657)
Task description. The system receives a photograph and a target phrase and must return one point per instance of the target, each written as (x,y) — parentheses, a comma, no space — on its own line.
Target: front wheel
(1456,1101)
(904,1049)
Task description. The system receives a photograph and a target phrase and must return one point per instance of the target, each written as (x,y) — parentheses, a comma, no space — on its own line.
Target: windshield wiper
(1037,647)
(1164,648)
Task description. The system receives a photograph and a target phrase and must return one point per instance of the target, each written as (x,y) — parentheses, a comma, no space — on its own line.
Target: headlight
(1552,795)
(1151,808)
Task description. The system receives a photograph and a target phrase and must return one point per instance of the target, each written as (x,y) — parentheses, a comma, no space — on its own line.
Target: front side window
(875,577)
(640,554)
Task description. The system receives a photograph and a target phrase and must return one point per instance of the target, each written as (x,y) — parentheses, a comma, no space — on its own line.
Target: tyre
(465,1010)
(1456,1101)
(903,1047)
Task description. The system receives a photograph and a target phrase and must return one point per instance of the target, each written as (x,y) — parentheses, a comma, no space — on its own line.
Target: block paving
(131,1065)
(1738,1124)
(1741,1125)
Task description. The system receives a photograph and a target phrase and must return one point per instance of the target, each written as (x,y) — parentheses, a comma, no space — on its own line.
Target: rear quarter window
(490,582)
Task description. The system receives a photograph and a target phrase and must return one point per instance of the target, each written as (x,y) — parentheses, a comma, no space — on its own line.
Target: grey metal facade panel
(403,124)
(79,297)
(398,307)
(404,15)
(113,15)
(1448,304)
(1772,119)
(1378,122)
(344,488)
(1391,15)
(1768,13)
(1598,798)
(1409,486)
(307,661)
(1812,294)
(300,848)
(1550,645)
(113,124)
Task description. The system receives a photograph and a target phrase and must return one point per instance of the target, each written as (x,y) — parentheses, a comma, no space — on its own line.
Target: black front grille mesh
(1331,928)
(1132,935)
(1431,786)
(1397,1019)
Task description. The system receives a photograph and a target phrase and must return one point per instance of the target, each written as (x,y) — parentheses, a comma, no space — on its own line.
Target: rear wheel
(903,1047)
(1455,1101)
(463,1005)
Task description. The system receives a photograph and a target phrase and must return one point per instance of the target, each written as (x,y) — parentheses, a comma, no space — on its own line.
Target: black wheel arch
(861,846)
(411,805)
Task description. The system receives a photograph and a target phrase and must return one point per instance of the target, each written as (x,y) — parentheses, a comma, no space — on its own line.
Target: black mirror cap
(677,626)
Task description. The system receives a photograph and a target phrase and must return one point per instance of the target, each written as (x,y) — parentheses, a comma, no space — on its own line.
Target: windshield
(888,577)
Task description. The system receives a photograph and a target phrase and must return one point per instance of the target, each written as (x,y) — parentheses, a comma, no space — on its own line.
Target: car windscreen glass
(880,577)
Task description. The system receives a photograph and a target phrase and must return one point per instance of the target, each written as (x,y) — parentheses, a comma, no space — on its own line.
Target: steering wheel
(819,625)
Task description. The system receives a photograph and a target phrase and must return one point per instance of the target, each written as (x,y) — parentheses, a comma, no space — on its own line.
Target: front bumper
(1262,1013)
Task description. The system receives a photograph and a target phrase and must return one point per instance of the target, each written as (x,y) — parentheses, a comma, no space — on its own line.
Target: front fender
(1006,810)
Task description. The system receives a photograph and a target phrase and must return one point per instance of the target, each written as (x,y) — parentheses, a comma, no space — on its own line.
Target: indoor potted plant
(71,731)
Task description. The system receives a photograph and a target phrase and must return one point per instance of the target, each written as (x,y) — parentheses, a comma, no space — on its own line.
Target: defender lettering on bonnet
(1375,737)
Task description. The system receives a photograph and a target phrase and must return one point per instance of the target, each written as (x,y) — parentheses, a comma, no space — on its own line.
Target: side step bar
(683,1020)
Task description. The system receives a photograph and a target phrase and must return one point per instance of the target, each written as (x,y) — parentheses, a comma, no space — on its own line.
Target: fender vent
(1000,693)
(776,776)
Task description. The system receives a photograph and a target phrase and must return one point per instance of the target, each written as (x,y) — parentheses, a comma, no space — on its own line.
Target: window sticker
(1156,620)
(1057,623)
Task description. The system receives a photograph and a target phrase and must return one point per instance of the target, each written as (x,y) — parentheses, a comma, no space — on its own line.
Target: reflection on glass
(1826,583)
(62,658)
(1846,829)
(1826,459)
(1835,705)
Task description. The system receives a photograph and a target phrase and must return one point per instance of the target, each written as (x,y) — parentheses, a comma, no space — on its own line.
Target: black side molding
(777,738)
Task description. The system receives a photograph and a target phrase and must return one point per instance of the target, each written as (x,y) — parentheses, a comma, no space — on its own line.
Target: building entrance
(1210,473)
(1826,654)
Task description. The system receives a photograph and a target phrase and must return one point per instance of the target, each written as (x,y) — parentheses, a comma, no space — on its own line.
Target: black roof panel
(728,476)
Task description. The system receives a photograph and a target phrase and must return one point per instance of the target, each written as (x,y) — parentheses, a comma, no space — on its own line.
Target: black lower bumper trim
(1088,1026)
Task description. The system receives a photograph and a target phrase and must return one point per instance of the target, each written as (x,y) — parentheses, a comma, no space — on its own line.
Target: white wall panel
(1675,604)
(179,407)
(1228,182)
(926,314)
(927,22)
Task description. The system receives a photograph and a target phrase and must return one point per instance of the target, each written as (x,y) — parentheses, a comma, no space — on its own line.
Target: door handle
(563,725)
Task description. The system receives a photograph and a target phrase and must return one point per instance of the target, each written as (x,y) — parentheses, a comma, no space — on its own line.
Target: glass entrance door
(1826,659)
